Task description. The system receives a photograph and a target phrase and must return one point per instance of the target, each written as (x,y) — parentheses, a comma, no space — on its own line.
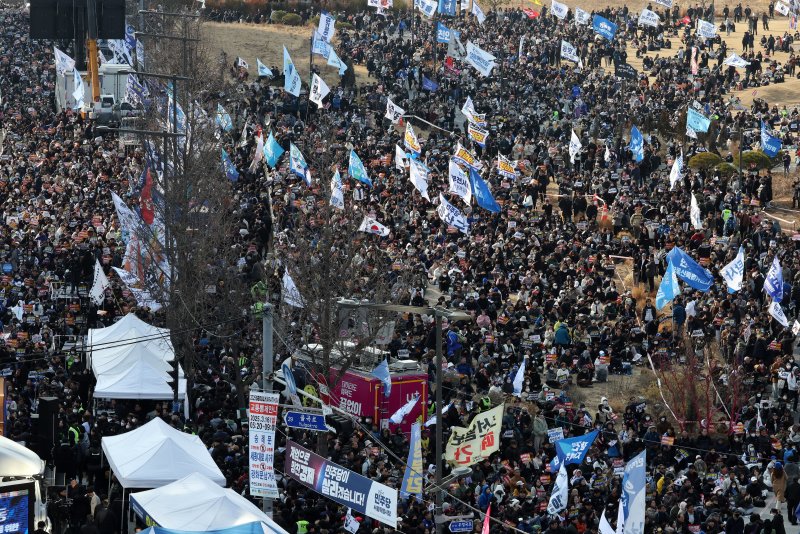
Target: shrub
(342,25)
(704,161)
(292,19)
(754,159)
(277,15)
(725,169)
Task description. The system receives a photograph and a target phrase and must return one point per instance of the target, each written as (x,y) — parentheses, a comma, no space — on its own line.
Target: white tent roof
(119,360)
(156,454)
(195,503)
(18,461)
(141,381)
(110,333)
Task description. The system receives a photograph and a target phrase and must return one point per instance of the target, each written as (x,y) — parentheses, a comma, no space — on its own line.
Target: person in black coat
(735,523)
(792,495)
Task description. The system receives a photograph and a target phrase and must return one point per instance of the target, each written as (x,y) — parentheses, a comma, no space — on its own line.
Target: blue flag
(223,119)
(770,145)
(572,450)
(442,33)
(298,165)
(634,481)
(381,372)
(481,192)
(429,85)
(357,170)
(637,144)
(604,27)
(697,121)
(668,288)
(272,151)
(263,70)
(689,270)
(447,7)
(773,283)
(230,169)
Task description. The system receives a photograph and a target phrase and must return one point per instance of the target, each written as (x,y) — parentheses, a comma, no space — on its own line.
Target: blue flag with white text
(668,289)
(604,27)
(696,121)
(429,85)
(572,450)
(770,144)
(689,270)
(773,282)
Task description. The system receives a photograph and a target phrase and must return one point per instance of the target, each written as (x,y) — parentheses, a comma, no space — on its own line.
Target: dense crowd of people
(563,278)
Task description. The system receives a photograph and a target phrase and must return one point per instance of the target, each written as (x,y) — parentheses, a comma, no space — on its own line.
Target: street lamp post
(438,313)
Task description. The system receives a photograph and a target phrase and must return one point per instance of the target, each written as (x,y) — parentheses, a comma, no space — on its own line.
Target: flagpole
(310,72)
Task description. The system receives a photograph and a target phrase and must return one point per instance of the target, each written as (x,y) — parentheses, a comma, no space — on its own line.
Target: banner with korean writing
(263,418)
(341,485)
(470,445)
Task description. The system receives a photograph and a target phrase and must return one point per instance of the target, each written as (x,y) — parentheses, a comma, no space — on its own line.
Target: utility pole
(439,445)
(267,368)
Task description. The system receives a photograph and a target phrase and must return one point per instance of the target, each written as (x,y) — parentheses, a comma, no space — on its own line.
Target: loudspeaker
(340,423)
(46,426)
(110,19)
(66,19)
(56,19)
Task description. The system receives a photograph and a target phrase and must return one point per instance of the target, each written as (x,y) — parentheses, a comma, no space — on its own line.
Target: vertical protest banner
(263,418)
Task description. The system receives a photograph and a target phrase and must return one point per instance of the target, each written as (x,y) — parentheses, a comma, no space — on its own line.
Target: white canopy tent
(18,461)
(156,454)
(196,503)
(141,381)
(100,336)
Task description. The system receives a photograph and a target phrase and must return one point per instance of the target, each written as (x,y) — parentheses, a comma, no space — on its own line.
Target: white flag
(560,496)
(735,60)
(259,155)
(64,63)
(263,70)
(452,216)
(327,26)
(649,18)
(569,52)
(581,17)
(99,285)
(291,295)
(706,29)
(459,182)
(478,12)
(607,155)
(796,327)
(782,8)
(240,62)
(393,111)
(482,60)
(371,226)
(319,90)
(575,145)
(519,378)
(400,158)
(398,416)
(80,91)
(337,192)
(605,526)
(776,312)
(675,173)
(733,273)
(418,174)
(665,3)
(694,214)
(559,10)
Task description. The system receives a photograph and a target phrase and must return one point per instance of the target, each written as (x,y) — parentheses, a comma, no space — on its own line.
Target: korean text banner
(689,270)
(342,485)
(604,27)
(470,445)
(263,418)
